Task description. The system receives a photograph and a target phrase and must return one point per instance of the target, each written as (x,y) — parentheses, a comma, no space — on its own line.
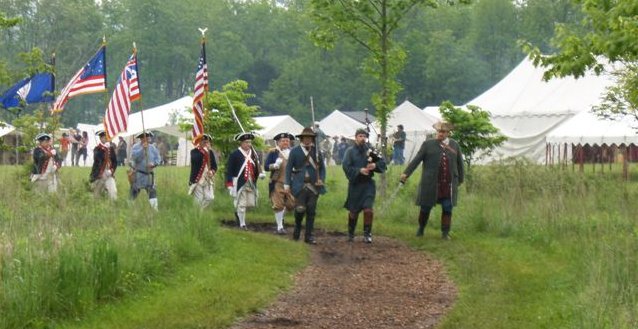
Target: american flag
(126,91)
(201,86)
(89,79)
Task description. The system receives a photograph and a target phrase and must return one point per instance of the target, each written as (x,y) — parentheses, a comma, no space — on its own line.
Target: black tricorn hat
(202,137)
(42,137)
(100,133)
(307,132)
(284,135)
(144,133)
(244,136)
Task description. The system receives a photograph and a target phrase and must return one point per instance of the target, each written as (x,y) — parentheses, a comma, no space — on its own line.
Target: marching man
(305,174)
(242,171)
(145,157)
(203,168)
(276,162)
(104,164)
(46,163)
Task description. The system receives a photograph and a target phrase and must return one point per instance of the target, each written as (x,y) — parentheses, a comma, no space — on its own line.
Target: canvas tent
(586,128)
(6,128)
(526,109)
(416,124)
(339,124)
(164,118)
(432,111)
(273,125)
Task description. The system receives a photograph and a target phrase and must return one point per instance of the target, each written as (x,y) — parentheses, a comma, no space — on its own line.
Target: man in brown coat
(442,173)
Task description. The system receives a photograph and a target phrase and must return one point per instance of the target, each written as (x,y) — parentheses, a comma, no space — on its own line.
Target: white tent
(416,124)
(164,118)
(339,124)
(6,128)
(525,108)
(432,111)
(586,128)
(273,125)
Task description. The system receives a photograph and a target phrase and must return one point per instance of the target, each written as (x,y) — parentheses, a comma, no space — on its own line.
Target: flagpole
(139,87)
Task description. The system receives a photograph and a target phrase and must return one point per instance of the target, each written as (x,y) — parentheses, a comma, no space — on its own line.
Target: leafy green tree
(472,129)
(219,121)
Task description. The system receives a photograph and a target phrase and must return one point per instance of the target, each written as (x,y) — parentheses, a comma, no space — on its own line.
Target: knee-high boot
(446,224)
(423,221)
(352,225)
(309,236)
(298,219)
(368,216)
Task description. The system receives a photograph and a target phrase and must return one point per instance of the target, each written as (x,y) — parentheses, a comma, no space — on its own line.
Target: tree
(473,130)
(607,33)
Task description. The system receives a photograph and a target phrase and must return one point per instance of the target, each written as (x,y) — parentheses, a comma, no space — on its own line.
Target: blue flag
(36,89)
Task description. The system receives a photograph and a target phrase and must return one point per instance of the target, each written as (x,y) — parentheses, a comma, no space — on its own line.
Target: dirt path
(356,285)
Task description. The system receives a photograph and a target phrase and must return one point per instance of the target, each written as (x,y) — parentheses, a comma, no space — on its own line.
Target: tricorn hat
(443,126)
(202,137)
(42,137)
(244,136)
(100,133)
(307,132)
(144,133)
(362,131)
(284,135)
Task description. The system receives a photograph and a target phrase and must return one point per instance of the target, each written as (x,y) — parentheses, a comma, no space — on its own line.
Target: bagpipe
(373,154)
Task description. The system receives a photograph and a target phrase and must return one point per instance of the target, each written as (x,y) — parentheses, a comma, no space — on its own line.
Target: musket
(232,110)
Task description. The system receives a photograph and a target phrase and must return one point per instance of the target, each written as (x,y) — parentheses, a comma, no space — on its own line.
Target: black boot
(368,216)
(352,225)
(310,225)
(446,224)
(423,222)
(297,232)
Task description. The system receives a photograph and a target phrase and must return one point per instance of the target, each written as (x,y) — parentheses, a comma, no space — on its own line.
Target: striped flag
(201,86)
(126,91)
(89,79)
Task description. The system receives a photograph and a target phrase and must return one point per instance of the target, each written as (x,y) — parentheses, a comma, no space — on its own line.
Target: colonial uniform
(143,162)
(443,172)
(201,181)
(276,162)
(361,188)
(104,164)
(305,173)
(242,171)
(46,163)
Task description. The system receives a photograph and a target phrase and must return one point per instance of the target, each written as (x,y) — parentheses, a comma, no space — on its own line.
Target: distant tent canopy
(273,125)
(527,109)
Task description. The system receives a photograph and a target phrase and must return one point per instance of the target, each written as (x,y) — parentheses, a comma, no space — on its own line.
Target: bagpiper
(203,168)
(102,175)
(275,163)
(360,163)
(242,171)
(46,164)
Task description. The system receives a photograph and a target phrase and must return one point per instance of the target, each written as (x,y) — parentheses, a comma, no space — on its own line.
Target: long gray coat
(430,155)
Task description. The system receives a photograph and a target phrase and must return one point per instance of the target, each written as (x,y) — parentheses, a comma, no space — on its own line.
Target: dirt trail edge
(356,285)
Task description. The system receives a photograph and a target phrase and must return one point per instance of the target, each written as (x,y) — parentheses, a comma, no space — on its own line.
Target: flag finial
(203,31)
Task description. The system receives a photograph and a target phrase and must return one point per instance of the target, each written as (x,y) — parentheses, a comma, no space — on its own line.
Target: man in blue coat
(305,174)
(144,159)
(46,164)
(359,164)
(242,171)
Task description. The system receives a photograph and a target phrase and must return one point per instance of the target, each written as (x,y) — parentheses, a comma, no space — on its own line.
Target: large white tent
(273,125)
(164,118)
(586,128)
(6,128)
(526,109)
(339,124)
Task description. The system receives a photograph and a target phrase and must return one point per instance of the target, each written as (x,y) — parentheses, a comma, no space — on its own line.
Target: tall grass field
(532,247)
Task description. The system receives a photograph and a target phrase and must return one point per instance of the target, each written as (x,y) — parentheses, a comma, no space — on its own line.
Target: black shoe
(446,236)
(310,240)
(419,231)
(350,238)
(367,238)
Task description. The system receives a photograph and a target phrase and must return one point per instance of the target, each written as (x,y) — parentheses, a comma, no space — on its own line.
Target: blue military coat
(297,167)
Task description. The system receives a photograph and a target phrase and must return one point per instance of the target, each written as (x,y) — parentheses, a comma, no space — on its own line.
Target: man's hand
(371,166)
(403,178)
(364,171)
(319,182)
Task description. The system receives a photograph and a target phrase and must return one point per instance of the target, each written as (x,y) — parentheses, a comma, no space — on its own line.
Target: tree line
(453,52)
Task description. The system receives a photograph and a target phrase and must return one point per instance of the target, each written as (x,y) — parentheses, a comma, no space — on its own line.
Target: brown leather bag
(131,176)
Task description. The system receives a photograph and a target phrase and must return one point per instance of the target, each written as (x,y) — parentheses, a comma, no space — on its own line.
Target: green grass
(533,247)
